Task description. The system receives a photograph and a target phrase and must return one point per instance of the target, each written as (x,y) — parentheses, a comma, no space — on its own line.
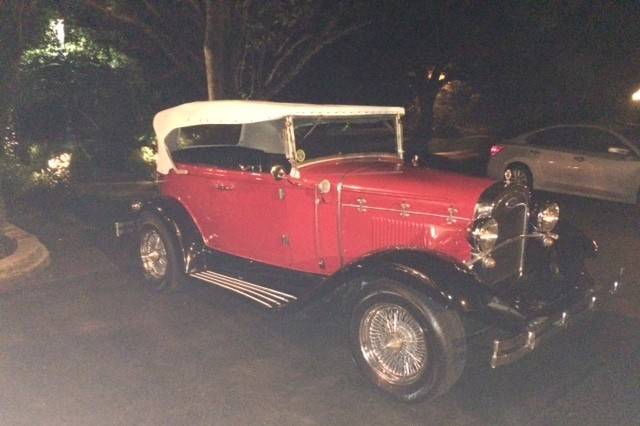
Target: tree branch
(284,57)
(197,14)
(152,9)
(239,53)
(302,62)
(160,41)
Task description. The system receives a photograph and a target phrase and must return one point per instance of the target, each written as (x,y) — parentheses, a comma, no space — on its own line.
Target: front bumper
(511,348)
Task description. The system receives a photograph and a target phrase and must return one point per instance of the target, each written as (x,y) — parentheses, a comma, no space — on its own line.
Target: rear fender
(179,222)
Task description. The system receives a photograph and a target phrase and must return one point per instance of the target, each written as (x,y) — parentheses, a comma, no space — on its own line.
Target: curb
(30,255)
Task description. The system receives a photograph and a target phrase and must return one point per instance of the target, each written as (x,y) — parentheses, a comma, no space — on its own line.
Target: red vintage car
(286,204)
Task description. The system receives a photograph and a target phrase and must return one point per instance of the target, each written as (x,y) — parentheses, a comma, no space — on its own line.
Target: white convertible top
(245,112)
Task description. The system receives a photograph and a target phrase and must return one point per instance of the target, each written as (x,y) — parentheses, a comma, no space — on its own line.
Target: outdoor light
(636,96)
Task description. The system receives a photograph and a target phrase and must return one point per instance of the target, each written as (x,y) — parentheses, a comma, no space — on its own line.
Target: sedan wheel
(518,175)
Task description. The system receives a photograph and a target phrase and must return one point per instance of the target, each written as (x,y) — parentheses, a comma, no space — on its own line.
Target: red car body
(241,212)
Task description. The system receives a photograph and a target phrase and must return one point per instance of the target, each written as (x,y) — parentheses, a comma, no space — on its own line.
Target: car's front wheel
(158,255)
(408,345)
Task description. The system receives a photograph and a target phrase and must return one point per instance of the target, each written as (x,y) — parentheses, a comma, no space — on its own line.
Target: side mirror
(278,172)
(618,151)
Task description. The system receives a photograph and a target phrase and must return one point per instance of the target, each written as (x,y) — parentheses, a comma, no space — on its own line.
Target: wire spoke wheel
(518,176)
(393,343)
(153,254)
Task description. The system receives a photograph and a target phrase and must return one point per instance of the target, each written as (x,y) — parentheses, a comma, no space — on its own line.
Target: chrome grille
(511,211)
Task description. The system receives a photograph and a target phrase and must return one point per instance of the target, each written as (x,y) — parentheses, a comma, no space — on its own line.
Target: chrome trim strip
(316,221)
(265,296)
(241,289)
(257,292)
(444,216)
(290,139)
(525,224)
(339,215)
(399,137)
(273,292)
(233,289)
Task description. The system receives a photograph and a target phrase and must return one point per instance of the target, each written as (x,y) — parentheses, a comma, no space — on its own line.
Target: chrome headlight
(484,234)
(548,217)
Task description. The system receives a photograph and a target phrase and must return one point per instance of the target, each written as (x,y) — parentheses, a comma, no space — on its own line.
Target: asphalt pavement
(87,344)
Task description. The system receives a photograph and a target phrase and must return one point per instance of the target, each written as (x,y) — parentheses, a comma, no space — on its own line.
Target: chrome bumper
(506,351)
(123,228)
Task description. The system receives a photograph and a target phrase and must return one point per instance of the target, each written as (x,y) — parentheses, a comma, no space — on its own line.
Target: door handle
(223,187)
(534,151)
(579,159)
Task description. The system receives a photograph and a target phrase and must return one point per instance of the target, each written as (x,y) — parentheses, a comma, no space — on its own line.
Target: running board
(268,297)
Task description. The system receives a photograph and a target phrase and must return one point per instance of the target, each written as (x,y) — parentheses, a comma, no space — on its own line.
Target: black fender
(573,244)
(179,222)
(442,279)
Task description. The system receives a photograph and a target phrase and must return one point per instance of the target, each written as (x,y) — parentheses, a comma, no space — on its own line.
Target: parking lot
(87,344)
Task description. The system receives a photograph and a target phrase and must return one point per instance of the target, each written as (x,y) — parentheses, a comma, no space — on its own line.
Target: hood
(397,179)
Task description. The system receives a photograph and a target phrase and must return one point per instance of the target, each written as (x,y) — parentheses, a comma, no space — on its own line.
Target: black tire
(159,278)
(519,174)
(441,332)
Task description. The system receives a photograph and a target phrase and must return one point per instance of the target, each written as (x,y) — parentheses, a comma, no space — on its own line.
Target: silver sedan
(585,160)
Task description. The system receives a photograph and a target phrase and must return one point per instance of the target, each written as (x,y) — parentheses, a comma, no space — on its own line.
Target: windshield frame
(292,147)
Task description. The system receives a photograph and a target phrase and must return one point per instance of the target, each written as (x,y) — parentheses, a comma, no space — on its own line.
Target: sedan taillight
(496,149)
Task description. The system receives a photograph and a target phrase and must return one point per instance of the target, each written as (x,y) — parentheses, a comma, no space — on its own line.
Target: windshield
(328,136)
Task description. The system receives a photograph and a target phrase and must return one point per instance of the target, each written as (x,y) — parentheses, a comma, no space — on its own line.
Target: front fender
(451,284)
(573,244)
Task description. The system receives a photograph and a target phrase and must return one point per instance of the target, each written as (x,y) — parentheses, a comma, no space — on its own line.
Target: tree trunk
(427,101)
(216,14)
(208,50)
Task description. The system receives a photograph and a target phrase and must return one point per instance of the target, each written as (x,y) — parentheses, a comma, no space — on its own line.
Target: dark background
(459,67)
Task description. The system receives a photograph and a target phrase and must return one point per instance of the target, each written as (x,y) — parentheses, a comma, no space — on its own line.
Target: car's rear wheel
(408,345)
(158,256)
(520,175)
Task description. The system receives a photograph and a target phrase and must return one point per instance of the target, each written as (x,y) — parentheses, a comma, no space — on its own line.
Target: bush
(15,178)
(39,181)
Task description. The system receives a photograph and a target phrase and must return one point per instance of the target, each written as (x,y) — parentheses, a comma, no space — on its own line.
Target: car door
(613,165)
(251,216)
(555,164)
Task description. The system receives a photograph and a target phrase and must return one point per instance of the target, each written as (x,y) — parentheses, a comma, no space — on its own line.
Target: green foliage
(15,177)
(259,46)
(79,97)
(76,44)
